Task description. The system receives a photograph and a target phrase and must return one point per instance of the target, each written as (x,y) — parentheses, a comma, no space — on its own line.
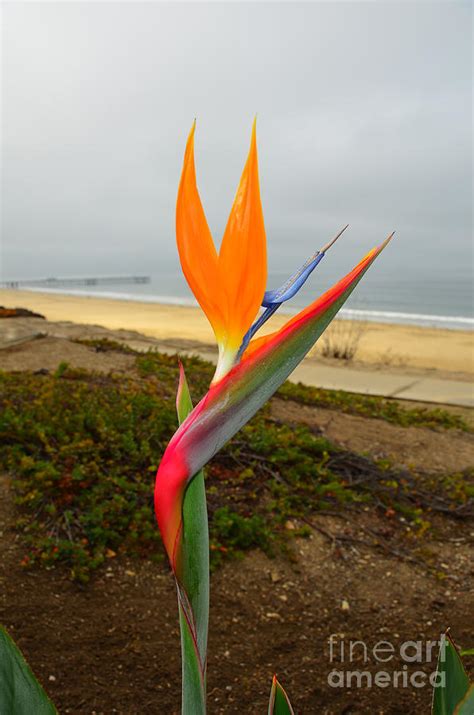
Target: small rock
(345,605)
(52,679)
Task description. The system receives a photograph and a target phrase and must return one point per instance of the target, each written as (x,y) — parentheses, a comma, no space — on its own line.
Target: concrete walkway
(368,382)
(404,387)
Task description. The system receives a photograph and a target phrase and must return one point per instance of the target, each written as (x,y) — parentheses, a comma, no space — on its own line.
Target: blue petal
(256,326)
(274,298)
(293,284)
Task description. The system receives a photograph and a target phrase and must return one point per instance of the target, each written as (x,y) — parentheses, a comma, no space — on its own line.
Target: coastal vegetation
(81,448)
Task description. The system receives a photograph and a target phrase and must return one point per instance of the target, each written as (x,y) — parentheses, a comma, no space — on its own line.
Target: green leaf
(466,706)
(193,684)
(468,651)
(193,591)
(279,703)
(452,682)
(20,692)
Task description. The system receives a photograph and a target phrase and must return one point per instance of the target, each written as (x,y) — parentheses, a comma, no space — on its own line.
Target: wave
(453,322)
(383,316)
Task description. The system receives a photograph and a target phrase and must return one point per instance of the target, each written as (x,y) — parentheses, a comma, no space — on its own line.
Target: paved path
(368,382)
(371,382)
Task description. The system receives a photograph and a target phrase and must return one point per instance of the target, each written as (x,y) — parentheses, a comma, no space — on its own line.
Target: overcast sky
(364,117)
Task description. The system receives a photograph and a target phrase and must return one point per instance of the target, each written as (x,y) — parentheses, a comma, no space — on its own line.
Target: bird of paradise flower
(230,287)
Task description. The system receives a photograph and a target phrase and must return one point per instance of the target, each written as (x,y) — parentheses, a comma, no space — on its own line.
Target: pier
(64,282)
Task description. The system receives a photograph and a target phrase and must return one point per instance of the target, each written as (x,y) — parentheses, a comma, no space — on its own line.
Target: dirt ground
(112,646)
(403,446)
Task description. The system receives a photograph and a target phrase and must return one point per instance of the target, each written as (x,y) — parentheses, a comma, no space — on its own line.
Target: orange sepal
(197,252)
(243,253)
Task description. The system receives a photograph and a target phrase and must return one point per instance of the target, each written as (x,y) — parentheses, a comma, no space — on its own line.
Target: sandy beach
(387,345)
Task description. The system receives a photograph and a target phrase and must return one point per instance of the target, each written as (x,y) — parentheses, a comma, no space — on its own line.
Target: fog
(364,117)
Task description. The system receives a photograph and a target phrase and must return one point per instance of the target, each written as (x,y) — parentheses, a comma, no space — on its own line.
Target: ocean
(385,297)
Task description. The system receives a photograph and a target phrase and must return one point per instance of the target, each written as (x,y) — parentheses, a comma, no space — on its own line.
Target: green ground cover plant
(80,449)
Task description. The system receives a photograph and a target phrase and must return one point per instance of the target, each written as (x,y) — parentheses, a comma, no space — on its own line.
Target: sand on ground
(378,343)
